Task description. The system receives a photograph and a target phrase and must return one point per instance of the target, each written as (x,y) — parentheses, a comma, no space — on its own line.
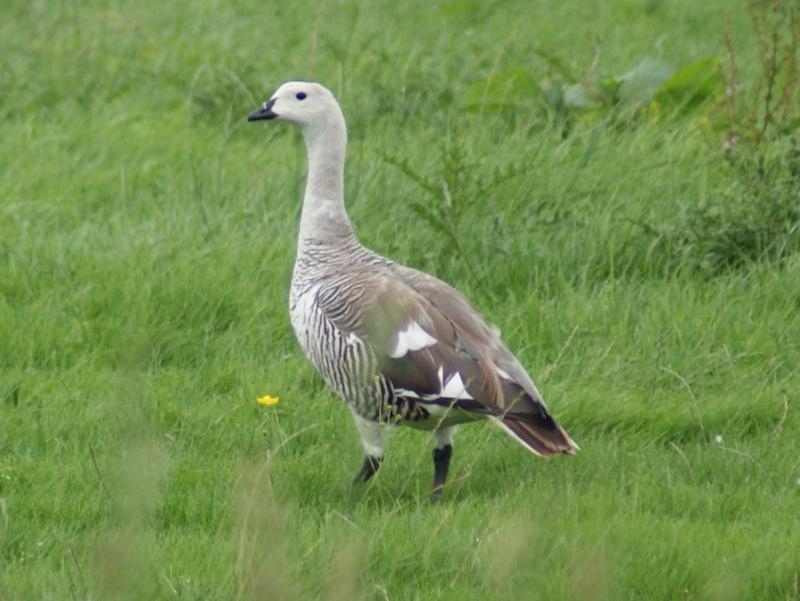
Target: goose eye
(300,95)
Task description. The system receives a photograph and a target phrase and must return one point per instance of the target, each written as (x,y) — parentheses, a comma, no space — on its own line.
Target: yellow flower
(268,400)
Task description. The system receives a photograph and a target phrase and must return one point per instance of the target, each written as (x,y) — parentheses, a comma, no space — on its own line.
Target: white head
(303,103)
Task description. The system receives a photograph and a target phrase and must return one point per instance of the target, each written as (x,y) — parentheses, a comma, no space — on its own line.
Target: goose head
(304,104)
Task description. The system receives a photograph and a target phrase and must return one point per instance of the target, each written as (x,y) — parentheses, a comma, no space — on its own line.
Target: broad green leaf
(638,85)
(691,84)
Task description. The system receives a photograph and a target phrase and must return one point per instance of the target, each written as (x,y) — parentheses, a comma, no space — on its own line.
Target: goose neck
(324,218)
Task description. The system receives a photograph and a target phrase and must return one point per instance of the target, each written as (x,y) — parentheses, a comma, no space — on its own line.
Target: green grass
(146,244)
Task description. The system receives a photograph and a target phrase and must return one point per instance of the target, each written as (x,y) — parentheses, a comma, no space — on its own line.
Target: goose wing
(434,346)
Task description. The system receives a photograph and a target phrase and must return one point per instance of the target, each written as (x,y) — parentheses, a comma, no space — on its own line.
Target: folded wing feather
(426,334)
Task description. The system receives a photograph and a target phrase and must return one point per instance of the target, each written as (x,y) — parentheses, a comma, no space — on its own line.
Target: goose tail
(541,436)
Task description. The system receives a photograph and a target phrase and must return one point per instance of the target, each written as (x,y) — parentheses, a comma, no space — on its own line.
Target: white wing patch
(454,388)
(411,338)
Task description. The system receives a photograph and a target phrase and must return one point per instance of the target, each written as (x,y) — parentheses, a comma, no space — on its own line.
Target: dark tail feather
(543,438)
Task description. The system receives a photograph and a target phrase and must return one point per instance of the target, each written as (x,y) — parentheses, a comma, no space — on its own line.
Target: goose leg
(372,440)
(441,459)
(368,469)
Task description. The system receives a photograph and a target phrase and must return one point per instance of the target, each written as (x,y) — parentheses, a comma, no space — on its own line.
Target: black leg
(441,461)
(368,469)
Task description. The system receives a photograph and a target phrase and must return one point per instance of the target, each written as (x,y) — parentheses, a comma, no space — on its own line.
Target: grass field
(147,238)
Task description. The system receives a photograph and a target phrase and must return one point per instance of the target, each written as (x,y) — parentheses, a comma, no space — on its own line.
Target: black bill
(264,112)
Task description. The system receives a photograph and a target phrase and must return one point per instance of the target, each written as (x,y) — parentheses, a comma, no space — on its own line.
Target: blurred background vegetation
(614,184)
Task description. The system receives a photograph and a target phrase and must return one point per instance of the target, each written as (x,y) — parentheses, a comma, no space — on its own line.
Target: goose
(399,346)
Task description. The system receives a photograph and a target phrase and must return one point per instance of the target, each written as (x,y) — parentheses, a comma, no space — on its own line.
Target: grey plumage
(398,345)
